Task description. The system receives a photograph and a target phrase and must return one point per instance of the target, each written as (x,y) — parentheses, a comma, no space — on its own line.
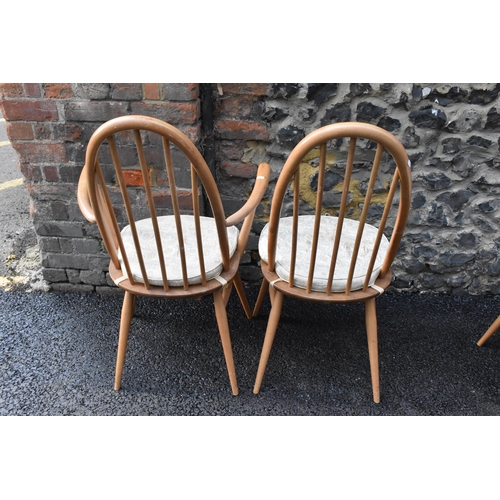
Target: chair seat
(171,253)
(326,240)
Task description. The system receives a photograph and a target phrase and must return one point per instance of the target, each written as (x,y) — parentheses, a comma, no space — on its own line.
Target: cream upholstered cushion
(171,253)
(324,253)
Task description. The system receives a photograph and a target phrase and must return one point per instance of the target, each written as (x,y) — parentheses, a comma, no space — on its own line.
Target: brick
(237,129)
(86,246)
(32,90)
(20,131)
(70,173)
(94,111)
(59,229)
(43,131)
(51,173)
(126,91)
(69,132)
(93,277)
(48,244)
(134,177)
(31,173)
(38,111)
(175,113)
(11,90)
(92,90)
(151,91)
(58,90)
(39,152)
(59,211)
(54,275)
(63,261)
(255,89)
(235,107)
(244,170)
(180,91)
(163,199)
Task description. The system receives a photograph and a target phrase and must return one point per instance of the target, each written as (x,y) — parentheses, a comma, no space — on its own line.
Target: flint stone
(274,114)
(451,145)
(389,124)
(451,96)
(492,120)
(331,180)
(450,259)
(466,240)
(481,142)
(410,139)
(366,112)
(339,113)
(358,89)
(483,96)
(290,136)
(428,118)
(456,199)
(418,200)
(284,90)
(321,92)
(436,182)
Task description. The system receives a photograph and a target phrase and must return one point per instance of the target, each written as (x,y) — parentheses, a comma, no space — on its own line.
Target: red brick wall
(49,125)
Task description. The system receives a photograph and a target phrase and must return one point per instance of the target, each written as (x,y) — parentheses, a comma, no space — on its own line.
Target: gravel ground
(57,356)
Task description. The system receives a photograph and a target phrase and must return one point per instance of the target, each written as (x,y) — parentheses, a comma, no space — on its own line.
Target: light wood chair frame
(95,203)
(491,330)
(402,178)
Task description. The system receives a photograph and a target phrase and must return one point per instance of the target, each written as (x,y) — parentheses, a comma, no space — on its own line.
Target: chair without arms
(165,247)
(337,254)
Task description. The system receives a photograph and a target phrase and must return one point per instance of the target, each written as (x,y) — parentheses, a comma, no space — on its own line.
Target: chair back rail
(291,172)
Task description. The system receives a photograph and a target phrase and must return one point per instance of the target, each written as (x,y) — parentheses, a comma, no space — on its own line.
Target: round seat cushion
(326,240)
(171,253)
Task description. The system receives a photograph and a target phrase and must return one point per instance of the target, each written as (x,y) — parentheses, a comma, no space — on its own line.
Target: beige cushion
(171,254)
(324,253)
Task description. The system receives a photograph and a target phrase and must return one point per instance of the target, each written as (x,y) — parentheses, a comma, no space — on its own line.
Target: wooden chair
(337,254)
(491,330)
(158,242)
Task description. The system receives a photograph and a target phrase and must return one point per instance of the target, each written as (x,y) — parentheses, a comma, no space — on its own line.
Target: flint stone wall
(451,132)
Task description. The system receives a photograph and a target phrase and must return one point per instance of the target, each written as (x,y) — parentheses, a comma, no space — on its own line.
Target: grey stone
(456,199)
(481,142)
(284,90)
(428,118)
(367,112)
(436,181)
(290,136)
(340,112)
(451,145)
(467,240)
(492,120)
(451,259)
(331,180)
(321,92)
(483,96)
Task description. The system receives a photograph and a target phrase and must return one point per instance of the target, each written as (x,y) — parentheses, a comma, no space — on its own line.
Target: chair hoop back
(292,179)
(120,144)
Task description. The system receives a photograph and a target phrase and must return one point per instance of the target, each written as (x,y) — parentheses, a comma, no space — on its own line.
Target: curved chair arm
(84,199)
(263,173)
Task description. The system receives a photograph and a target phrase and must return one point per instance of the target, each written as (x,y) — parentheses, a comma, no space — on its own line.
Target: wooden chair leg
(491,330)
(371,330)
(272,325)
(226,293)
(240,289)
(221,315)
(126,317)
(262,295)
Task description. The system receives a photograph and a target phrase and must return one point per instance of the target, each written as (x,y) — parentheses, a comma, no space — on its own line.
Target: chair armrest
(84,200)
(262,180)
